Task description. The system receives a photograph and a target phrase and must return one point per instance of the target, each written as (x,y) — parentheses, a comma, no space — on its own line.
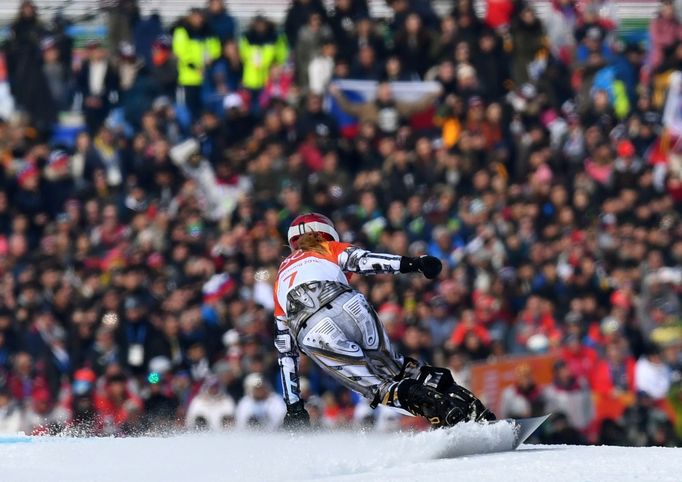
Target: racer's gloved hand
(297,417)
(430,266)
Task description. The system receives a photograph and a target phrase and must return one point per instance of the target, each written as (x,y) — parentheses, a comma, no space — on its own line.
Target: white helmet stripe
(315,226)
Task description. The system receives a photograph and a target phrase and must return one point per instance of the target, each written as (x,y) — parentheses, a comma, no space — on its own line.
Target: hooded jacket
(195,50)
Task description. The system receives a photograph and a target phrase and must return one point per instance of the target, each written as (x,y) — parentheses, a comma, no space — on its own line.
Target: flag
(358,91)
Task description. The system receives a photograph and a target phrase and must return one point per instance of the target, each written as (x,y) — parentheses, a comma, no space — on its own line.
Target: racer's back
(307,280)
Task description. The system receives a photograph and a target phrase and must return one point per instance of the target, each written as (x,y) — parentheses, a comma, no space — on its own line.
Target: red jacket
(117,414)
(607,404)
(498,12)
(459,333)
(581,363)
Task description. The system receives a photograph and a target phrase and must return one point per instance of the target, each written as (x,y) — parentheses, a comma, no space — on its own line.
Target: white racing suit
(319,313)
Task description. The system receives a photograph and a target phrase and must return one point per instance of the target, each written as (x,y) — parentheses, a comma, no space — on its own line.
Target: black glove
(430,266)
(297,417)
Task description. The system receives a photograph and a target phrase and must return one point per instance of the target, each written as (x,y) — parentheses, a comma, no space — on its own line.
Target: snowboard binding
(436,396)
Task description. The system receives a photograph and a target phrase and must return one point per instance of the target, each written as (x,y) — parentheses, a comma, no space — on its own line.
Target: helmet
(311,223)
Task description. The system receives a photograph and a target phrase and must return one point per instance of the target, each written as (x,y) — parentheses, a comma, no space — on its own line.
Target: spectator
(581,360)
(83,420)
(309,40)
(224,77)
(560,23)
(195,45)
(524,398)
(56,74)
(122,17)
(145,32)
(10,414)
(222,24)
(298,15)
(28,85)
(569,397)
(98,85)
(163,68)
(665,30)
(22,379)
(491,66)
(343,22)
(613,382)
(527,36)
(415,46)
(43,416)
(160,403)
(136,89)
(366,66)
(211,409)
(460,368)
(116,407)
(259,407)
(260,48)
(321,68)
(652,376)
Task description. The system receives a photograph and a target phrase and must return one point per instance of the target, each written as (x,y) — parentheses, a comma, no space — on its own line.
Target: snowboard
(487,437)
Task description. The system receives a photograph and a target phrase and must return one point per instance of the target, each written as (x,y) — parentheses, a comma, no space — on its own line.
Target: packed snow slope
(337,456)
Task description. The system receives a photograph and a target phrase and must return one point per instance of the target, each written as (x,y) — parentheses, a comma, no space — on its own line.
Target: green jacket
(194,52)
(258,54)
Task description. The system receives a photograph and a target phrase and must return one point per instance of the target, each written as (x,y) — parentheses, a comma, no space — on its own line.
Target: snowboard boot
(441,380)
(437,408)
(475,410)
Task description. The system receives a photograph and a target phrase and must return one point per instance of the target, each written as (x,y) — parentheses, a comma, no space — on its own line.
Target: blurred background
(152,155)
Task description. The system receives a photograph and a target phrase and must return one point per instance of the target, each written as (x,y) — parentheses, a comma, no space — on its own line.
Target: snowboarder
(320,314)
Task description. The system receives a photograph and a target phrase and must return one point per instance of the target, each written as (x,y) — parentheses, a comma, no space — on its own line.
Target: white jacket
(267,414)
(214,409)
(10,420)
(652,378)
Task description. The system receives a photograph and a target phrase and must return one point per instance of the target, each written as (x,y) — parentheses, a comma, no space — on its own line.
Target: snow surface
(337,456)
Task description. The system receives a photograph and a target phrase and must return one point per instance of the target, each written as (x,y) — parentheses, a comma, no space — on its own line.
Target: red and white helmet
(311,223)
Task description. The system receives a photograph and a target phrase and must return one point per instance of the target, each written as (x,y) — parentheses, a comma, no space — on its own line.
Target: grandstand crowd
(147,180)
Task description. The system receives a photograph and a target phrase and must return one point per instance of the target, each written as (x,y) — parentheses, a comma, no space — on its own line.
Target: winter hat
(230,338)
(126,50)
(85,375)
(160,364)
(47,43)
(83,382)
(232,101)
(253,381)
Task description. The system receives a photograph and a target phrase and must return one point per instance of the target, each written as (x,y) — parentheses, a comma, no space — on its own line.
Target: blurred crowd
(138,248)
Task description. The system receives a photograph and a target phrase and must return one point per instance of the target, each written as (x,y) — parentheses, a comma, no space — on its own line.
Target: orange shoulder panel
(335,248)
